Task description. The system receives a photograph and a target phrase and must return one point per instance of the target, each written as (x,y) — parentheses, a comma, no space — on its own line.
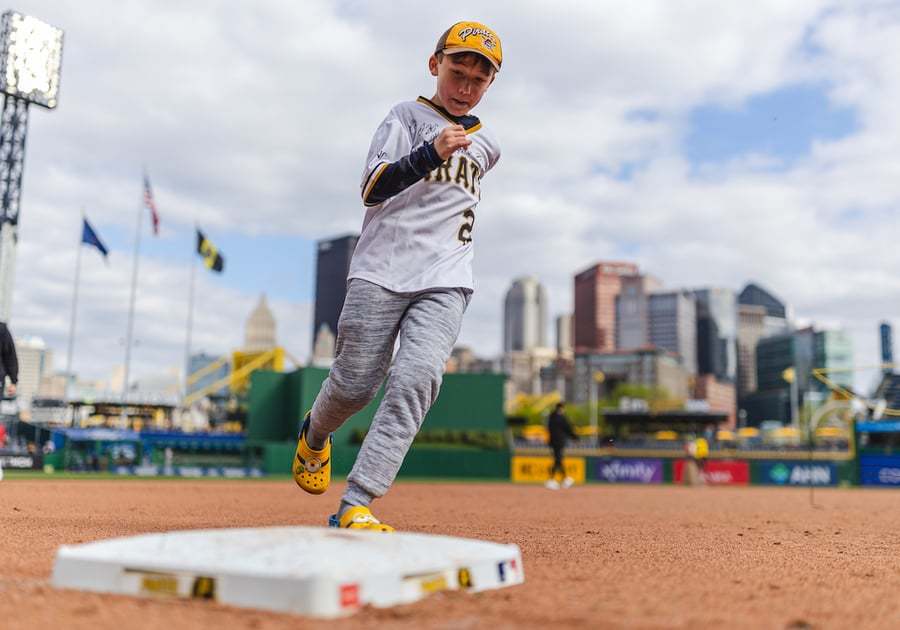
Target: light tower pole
(30,60)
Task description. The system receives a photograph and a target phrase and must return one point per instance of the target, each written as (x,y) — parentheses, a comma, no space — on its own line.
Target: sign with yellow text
(537,469)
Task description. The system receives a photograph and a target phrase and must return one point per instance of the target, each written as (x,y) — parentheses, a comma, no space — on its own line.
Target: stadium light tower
(30,60)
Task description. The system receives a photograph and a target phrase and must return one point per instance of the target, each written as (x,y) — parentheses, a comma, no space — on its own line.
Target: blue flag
(89,236)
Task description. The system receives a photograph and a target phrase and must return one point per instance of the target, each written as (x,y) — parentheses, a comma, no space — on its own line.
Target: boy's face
(461,82)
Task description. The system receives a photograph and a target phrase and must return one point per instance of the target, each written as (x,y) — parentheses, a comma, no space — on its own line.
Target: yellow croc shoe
(359,517)
(312,468)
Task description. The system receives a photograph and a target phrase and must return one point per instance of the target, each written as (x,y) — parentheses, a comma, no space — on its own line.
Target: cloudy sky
(712,143)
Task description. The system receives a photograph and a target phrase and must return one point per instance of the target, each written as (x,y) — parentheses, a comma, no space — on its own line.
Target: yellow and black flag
(210,253)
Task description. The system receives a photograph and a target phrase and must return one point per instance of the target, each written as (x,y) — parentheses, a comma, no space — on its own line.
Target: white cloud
(255,117)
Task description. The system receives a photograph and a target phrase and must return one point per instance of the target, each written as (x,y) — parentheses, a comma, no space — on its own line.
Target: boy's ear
(433,65)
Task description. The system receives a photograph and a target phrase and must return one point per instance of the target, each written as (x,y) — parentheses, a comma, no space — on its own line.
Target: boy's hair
(481,60)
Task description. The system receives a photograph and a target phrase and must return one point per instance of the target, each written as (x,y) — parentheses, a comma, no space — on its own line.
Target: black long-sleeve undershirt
(400,175)
(9,362)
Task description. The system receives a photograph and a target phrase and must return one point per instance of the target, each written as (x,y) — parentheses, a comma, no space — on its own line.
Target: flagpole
(190,324)
(134,275)
(71,349)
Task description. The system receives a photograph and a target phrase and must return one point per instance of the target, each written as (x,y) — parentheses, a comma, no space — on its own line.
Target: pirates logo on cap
(474,37)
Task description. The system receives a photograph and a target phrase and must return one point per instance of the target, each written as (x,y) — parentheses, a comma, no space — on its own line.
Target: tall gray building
(760,315)
(525,316)
(717,333)
(565,334)
(751,328)
(672,318)
(632,325)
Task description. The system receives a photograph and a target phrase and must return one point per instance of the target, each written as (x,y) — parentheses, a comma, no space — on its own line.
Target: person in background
(560,432)
(9,362)
(697,450)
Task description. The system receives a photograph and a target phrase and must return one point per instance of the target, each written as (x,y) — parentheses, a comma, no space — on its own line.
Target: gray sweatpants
(427,324)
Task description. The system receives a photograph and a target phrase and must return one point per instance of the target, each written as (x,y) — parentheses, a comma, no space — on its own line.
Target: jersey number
(465,230)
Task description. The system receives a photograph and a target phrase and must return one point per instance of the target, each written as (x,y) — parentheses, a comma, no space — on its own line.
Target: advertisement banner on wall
(716,472)
(799,474)
(530,469)
(18,460)
(619,470)
(879,470)
(152,470)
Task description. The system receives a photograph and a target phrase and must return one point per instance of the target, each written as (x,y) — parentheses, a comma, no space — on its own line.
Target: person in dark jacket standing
(9,362)
(560,431)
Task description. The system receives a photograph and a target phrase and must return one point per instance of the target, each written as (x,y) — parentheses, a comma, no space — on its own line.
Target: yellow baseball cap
(472,37)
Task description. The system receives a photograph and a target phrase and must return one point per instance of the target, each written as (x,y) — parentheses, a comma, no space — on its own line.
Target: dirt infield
(595,556)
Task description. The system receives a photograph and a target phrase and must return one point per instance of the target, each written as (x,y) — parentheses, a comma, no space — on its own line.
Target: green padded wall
(265,420)
(278,402)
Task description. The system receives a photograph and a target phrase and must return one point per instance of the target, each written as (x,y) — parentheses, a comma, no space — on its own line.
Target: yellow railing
(243,371)
(821,375)
(207,369)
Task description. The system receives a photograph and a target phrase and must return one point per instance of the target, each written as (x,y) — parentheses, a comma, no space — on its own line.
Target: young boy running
(411,273)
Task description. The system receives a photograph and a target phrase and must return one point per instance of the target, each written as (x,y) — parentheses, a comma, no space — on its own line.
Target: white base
(319,572)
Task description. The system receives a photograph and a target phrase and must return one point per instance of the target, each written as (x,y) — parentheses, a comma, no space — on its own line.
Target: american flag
(148,201)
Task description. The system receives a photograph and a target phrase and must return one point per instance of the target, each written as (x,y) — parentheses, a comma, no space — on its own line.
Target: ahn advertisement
(717,472)
(799,474)
(629,470)
(879,470)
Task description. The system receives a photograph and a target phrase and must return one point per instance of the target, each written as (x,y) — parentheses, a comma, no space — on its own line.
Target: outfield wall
(533,466)
(421,461)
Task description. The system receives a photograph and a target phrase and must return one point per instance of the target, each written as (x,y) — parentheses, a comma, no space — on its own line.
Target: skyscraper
(751,328)
(801,350)
(35,363)
(596,289)
(525,316)
(777,315)
(332,266)
(832,350)
(717,333)
(672,325)
(632,324)
(887,344)
(564,335)
(760,315)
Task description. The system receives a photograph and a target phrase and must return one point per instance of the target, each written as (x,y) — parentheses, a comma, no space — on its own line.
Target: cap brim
(460,49)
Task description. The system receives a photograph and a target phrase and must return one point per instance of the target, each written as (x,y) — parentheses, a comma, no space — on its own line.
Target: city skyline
(653,291)
(745,170)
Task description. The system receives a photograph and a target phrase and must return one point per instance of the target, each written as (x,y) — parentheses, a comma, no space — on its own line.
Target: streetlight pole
(597,377)
(790,375)
(30,57)
(593,404)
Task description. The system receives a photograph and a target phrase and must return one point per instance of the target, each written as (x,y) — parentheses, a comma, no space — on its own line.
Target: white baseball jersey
(421,238)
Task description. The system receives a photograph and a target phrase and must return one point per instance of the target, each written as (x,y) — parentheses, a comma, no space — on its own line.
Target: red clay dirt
(595,556)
